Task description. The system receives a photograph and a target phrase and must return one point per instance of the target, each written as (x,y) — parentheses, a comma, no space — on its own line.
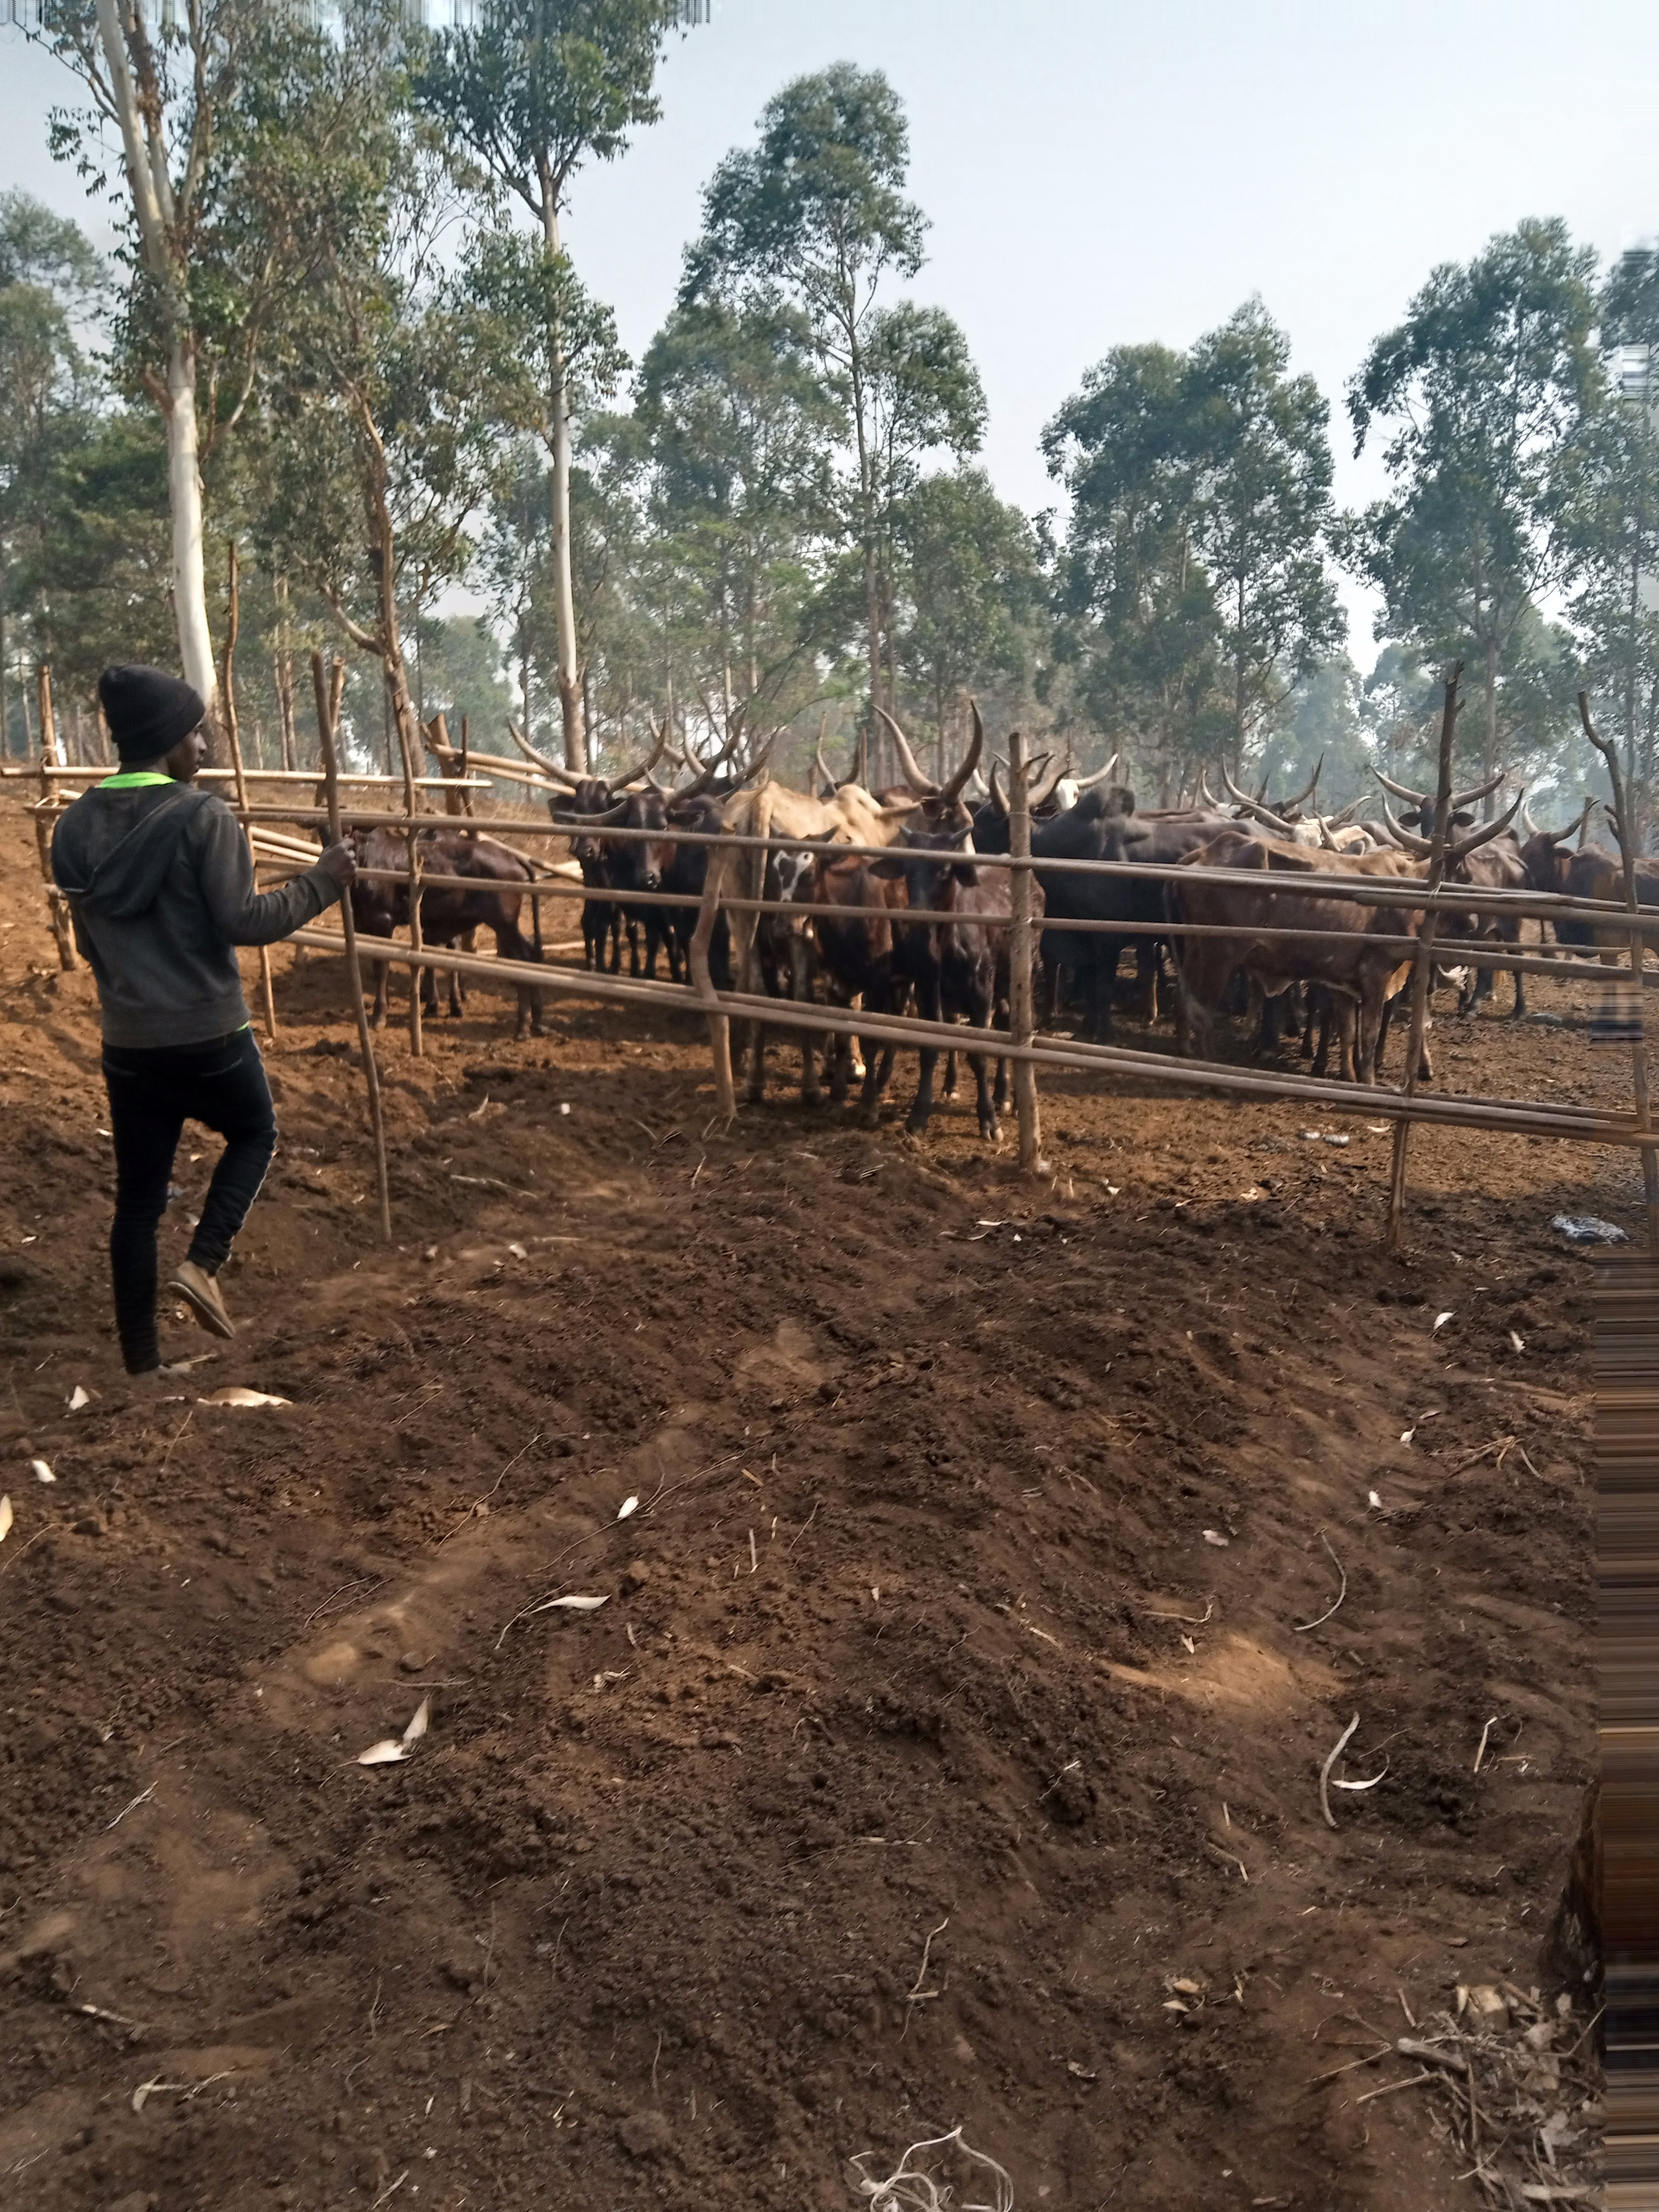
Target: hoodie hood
(111,850)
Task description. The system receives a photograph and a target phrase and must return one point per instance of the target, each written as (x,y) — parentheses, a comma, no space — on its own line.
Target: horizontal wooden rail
(1460,952)
(1520,1118)
(1362,891)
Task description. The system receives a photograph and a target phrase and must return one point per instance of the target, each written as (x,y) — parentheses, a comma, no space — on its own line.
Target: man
(161,884)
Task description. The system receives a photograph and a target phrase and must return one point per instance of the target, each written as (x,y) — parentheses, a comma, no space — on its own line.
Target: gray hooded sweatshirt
(161,884)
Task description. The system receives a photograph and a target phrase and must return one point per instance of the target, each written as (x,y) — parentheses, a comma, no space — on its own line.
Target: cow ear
(890,871)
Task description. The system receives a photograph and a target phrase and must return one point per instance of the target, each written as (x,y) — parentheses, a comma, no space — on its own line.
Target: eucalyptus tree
(1482,390)
(736,426)
(1609,519)
(379,445)
(165,81)
(815,217)
(969,589)
(1262,507)
(1135,606)
(532,90)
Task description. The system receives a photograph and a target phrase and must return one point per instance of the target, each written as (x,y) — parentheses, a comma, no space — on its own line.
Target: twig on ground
(1301,1627)
(1382,2051)
(132,1808)
(916,1995)
(1411,2081)
(1187,1619)
(1337,1750)
(1485,1733)
(1430,2054)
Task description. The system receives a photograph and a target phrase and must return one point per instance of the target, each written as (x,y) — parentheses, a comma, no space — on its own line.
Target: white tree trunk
(144,152)
(185,499)
(564,595)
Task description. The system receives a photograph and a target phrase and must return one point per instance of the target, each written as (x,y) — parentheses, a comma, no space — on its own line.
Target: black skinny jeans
(152,1094)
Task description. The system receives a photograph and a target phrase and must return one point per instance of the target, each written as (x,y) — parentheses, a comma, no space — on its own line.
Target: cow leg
(800,987)
(999,1096)
(1147,967)
(950,1075)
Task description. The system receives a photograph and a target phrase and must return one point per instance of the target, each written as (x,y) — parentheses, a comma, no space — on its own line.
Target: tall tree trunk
(185,500)
(284,672)
(564,594)
(144,149)
(1489,740)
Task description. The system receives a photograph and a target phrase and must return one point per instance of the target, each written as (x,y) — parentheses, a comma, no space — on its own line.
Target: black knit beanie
(148,710)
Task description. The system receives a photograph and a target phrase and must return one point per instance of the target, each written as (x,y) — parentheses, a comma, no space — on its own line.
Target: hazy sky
(1097,173)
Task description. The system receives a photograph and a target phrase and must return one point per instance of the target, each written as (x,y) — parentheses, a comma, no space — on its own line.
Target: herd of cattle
(845,930)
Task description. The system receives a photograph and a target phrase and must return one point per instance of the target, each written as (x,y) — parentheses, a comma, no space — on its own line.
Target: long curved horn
(634,774)
(1400,791)
(918,782)
(1254,806)
(1484,836)
(953,790)
(997,799)
(1462,799)
(1043,788)
(1325,836)
(1302,797)
(1407,841)
(828,779)
(562,776)
(591,821)
(1208,796)
(1339,821)
(1526,822)
(1583,821)
(861,774)
(1088,782)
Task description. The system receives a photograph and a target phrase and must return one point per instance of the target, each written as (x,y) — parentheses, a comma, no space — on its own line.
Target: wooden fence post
(1424,965)
(63,928)
(1638,1048)
(1022,1022)
(328,701)
(234,739)
(720,1025)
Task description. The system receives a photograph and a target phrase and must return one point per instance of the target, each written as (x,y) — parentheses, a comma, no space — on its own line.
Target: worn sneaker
(201,1294)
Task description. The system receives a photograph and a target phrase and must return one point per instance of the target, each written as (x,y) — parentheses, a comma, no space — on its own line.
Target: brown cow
(1339,957)
(502,877)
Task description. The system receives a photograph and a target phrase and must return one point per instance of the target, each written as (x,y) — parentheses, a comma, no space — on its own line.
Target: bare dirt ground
(926,1739)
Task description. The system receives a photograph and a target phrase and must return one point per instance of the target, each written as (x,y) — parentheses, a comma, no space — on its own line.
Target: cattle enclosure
(916,1631)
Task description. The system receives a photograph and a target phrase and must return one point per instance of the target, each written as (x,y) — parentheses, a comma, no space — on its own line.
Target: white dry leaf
(1517,1342)
(1332,1140)
(41,1471)
(518,1251)
(5,1518)
(564,1106)
(1406,1434)
(1189,1643)
(1111,1189)
(629,1505)
(423,1720)
(234,1394)
(1440,1321)
(1214,1536)
(1372,1499)
(385,1754)
(78,1397)
(571,1604)
(1379,1128)
(989,1225)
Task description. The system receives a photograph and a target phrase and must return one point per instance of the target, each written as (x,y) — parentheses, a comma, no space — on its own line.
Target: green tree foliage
(1263,506)
(969,593)
(1193,579)
(815,217)
(1483,391)
(1610,527)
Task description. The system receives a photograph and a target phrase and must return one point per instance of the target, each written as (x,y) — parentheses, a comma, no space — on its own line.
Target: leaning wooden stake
(1422,968)
(1626,827)
(328,700)
(406,751)
(57,905)
(1022,1017)
(720,1024)
(234,739)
